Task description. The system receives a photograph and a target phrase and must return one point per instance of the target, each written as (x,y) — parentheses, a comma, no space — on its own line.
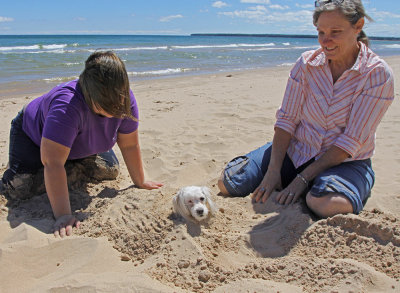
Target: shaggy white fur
(194,203)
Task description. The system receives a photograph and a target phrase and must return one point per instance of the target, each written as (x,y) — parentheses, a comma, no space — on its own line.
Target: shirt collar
(319,58)
(362,58)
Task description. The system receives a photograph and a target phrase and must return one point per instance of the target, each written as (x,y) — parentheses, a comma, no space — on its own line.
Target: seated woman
(325,129)
(75,120)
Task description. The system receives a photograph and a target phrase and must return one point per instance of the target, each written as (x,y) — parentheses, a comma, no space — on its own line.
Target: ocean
(31,62)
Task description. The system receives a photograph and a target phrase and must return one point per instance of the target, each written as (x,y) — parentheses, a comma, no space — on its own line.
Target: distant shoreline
(281,36)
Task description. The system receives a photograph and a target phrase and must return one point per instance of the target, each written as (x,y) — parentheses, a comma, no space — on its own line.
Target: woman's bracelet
(305,181)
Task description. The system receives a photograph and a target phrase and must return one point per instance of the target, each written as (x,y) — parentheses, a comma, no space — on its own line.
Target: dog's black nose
(200,212)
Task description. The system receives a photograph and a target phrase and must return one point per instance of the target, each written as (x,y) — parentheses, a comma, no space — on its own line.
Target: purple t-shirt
(63,116)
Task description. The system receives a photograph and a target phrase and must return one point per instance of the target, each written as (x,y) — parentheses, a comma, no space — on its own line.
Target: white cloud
(385,24)
(259,8)
(219,4)
(305,6)
(383,15)
(279,7)
(170,17)
(259,14)
(302,16)
(382,29)
(256,1)
(6,19)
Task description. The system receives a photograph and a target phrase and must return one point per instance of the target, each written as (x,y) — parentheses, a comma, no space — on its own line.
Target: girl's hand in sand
(270,182)
(64,224)
(151,185)
(291,193)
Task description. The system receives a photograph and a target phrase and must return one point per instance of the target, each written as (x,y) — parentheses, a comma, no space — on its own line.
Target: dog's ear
(179,205)
(207,192)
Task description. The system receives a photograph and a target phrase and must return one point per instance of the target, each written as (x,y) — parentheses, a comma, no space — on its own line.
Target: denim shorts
(353,179)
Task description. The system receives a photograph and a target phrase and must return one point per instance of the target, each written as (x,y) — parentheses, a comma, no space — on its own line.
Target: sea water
(31,60)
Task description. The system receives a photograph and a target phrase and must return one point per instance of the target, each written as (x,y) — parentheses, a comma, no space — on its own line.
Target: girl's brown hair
(105,84)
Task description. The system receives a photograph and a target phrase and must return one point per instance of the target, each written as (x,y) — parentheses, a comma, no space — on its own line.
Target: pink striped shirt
(319,114)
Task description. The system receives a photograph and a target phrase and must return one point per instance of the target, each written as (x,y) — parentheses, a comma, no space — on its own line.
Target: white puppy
(194,203)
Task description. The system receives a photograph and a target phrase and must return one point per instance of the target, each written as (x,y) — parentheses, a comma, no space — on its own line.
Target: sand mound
(136,224)
(248,241)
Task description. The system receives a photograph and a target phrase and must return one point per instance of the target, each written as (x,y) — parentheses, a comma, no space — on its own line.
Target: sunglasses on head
(320,3)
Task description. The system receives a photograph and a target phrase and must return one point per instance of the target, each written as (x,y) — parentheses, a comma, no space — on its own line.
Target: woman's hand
(64,224)
(151,185)
(270,182)
(291,193)
(272,179)
(332,157)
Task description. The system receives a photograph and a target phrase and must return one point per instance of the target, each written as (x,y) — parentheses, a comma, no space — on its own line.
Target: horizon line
(207,34)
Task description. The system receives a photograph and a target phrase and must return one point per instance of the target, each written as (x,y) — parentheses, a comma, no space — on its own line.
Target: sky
(179,17)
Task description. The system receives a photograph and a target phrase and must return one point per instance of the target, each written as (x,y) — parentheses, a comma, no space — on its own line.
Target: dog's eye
(201,198)
(190,201)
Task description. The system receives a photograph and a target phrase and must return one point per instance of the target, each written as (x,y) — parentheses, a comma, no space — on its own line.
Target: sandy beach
(131,241)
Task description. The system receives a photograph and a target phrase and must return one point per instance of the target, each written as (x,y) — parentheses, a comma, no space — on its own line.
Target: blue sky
(178,17)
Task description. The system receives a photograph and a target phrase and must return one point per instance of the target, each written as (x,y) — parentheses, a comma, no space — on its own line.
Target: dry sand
(130,240)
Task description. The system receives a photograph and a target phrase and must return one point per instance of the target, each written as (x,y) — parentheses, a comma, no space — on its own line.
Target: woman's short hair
(353,10)
(105,84)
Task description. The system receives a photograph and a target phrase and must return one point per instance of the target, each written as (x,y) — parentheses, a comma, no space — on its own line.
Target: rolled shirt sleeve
(367,112)
(288,114)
